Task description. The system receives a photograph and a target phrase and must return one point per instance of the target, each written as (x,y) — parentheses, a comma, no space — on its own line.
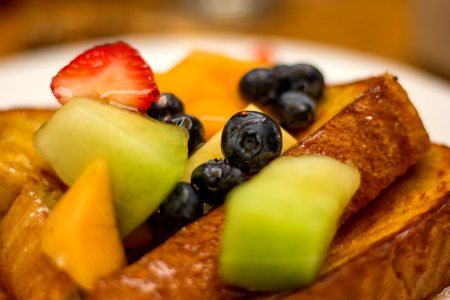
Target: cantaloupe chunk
(207,83)
(81,233)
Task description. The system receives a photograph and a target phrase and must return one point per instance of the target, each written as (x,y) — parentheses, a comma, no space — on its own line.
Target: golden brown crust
(185,267)
(18,160)
(25,271)
(29,187)
(182,268)
(398,247)
(412,265)
(380,133)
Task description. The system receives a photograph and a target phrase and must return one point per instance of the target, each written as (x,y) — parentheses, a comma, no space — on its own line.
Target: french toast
(18,162)
(395,248)
(26,271)
(385,136)
(369,132)
(28,189)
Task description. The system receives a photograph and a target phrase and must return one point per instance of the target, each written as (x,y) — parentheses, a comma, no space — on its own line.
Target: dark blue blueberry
(295,110)
(257,85)
(181,207)
(193,126)
(282,74)
(214,179)
(308,79)
(167,105)
(250,140)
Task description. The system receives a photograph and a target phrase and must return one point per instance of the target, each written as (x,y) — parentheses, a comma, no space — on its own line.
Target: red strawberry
(114,73)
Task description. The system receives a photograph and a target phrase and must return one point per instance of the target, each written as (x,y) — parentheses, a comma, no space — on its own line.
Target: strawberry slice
(113,73)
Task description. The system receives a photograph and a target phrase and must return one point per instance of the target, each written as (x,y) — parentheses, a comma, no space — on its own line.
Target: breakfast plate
(25,78)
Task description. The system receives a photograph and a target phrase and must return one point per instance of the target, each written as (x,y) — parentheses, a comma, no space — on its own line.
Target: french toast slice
(376,128)
(398,246)
(25,270)
(28,189)
(18,161)
(369,132)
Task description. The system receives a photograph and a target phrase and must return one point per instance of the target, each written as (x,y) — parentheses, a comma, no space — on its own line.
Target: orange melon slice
(207,84)
(81,233)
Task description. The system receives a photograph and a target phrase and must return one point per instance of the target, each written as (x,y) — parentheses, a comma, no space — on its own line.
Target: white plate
(25,79)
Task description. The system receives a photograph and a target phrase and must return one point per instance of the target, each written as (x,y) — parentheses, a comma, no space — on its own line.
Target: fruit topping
(214,179)
(291,92)
(170,109)
(113,73)
(258,85)
(295,110)
(81,233)
(308,79)
(168,105)
(263,85)
(193,126)
(276,88)
(282,75)
(146,157)
(281,222)
(181,207)
(250,140)
(207,84)
(212,149)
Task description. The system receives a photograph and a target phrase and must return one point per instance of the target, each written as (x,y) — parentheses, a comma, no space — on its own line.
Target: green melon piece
(146,157)
(280,223)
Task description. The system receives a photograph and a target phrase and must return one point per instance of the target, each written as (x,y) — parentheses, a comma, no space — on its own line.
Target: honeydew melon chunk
(280,223)
(146,157)
(212,149)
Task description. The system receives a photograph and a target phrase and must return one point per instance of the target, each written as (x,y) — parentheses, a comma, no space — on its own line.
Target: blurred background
(415,32)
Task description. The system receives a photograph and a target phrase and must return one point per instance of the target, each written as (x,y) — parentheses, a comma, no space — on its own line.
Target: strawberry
(113,73)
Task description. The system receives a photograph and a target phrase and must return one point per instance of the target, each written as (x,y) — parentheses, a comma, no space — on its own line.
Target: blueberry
(214,179)
(193,126)
(167,105)
(257,85)
(181,207)
(250,140)
(296,110)
(308,79)
(282,74)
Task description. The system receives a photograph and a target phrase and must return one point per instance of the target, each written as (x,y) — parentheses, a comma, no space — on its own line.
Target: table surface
(380,27)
